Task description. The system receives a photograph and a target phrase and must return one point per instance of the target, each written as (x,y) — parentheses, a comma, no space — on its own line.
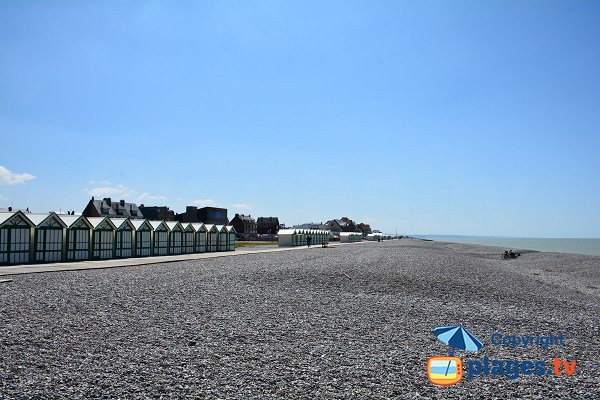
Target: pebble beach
(353,321)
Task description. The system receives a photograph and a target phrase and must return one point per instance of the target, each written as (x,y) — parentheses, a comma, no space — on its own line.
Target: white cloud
(204,203)
(147,196)
(12,178)
(120,191)
(242,207)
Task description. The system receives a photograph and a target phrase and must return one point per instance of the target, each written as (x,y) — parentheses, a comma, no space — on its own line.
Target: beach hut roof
(230,229)
(199,227)
(174,225)
(188,227)
(221,228)
(14,218)
(287,231)
(159,225)
(101,223)
(139,224)
(49,220)
(211,228)
(122,223)
(75,221)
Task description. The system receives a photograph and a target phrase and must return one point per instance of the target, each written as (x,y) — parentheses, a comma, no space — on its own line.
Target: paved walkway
(128,262)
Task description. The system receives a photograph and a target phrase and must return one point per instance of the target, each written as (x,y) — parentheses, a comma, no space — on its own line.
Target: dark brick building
(244,224)
(157,213)
(267,225)
(207,215)
(108,208)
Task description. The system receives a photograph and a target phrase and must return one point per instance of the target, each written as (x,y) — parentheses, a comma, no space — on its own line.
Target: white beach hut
(200,237)
(287,237)
(143,237)
(175,237)
(78,235)
(231,235)
(212,237)
(160,245)
(123,237)
(15,238)
(103,238)
(189,231)
(48,237)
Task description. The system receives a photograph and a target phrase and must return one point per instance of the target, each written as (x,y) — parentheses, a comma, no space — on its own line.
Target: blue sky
(442,117)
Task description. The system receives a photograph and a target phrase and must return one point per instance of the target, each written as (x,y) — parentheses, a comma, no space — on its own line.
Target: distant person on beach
(308,240)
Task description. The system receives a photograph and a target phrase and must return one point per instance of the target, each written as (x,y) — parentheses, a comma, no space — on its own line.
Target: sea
(574,246)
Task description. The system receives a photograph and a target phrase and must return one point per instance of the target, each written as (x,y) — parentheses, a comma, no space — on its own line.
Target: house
(108,208)
(206,215)
(365,228)
(244,224)
(267,225)
(157,213)
(344,224)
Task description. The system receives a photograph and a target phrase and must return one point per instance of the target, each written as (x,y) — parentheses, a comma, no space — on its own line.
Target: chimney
(108,201)
(92,198)
(9,209)
(122,203)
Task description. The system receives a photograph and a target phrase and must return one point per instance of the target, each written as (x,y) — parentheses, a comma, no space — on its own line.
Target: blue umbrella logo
(458,337)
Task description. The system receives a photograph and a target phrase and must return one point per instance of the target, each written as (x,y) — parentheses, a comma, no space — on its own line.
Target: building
(365,228)
(108,208)
(267,225)
(244,224)
(207,215)
(190,215)
(213,215)
(157,213)
(344,224)
(312,225)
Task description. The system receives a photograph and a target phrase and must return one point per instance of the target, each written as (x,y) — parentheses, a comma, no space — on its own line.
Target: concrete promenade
(128,262)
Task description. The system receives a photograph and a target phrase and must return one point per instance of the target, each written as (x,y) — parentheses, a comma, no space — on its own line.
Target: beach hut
(15,237)
(200,237)
(212,237)
(103,238)
(287,237)
(78,234)
(175,237)
(231,235)
(350,237)
(143,237)
(222,238)
(123,237)
(188,237)
(47,237)
(160,246)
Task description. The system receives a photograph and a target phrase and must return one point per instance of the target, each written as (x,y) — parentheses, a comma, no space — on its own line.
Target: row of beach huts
(50,237)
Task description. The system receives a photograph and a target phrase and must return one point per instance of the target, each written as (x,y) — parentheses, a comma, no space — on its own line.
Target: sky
(421,117)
